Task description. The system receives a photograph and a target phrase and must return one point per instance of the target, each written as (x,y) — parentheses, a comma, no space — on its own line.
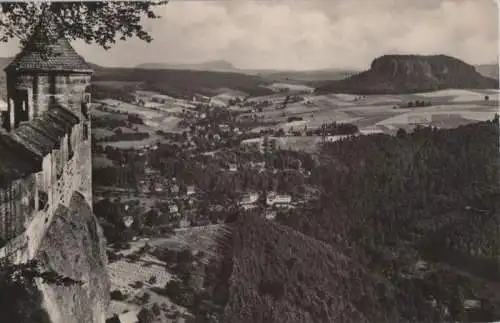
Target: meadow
(385,113)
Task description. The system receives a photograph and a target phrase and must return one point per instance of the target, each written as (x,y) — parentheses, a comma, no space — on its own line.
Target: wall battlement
(45,143)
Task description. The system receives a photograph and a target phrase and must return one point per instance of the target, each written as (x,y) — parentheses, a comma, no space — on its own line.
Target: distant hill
(488,70)
(217,65)
(395,74)
(177,83)
(306,76)
(120,82)
(290,76)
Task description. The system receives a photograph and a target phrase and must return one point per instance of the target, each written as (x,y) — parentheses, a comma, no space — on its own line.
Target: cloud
(310,34)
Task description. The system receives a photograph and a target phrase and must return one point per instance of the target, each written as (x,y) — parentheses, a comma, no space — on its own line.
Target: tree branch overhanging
(97,23)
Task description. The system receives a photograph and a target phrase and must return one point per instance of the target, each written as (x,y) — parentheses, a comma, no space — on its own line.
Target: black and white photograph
(249,161)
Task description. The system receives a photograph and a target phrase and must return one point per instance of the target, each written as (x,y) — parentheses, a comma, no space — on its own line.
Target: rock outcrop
(395,74)
(74,249)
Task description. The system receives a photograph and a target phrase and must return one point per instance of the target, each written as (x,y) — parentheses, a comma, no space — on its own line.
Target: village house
(471,304)
(233,167)
(158,187)
(421,266)
(190,190)
(249,198)
(270,215)
(274,199)
(224,128)
(248,206)
(174,189)
(144,186)
(200,98)
(128,220)
(3,106)
(260,166)
(173,209)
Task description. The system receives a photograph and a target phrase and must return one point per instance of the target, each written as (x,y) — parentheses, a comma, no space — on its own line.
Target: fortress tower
(45,141)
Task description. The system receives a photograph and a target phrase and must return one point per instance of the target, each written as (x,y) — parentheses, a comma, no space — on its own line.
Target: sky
(306,34)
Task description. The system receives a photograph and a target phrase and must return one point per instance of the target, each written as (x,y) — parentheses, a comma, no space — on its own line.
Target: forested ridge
(405,230)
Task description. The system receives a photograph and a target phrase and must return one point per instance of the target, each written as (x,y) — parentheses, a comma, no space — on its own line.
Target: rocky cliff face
(393,74)
(74,249)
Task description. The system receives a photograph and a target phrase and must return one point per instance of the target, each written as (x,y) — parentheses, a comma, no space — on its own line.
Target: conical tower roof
(48,51)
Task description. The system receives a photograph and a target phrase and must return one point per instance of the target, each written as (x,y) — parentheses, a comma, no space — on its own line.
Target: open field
(123,272)
(290,87)
(128,108)
(132,144)
(377,113)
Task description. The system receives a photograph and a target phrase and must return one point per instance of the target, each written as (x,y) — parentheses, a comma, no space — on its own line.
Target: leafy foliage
(19,297)
(94,22)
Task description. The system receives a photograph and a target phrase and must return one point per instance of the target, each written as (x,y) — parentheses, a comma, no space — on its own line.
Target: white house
(151,105)
(274,198)
(336,138)
(128,221)
(249,198)
(248,206)
(471,304)
(190,190)
(233,167)
(3,105)
(224,127)
(371,130)
(270,215)
(200,98)
(174,189)
(173,208)
(158,187)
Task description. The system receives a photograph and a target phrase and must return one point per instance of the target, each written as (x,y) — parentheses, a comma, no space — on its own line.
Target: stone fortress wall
(45,144)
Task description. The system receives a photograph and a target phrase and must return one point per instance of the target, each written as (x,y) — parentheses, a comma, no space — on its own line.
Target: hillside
(178,83)
(281,275)
(488,70)
(396,74)
(431,195)
(214,66)
(268,74)
(306,76)
(405,230)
